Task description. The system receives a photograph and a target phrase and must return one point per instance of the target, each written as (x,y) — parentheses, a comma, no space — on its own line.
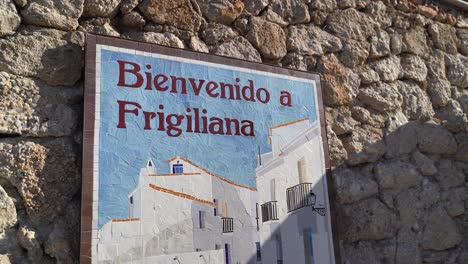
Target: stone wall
(395,79)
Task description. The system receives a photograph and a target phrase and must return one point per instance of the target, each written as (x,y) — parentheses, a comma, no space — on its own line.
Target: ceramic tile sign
(195,158)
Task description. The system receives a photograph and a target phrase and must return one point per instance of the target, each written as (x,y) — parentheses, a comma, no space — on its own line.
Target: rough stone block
(51,55)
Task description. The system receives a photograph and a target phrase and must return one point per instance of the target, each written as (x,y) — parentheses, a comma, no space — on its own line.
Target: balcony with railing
(269,211)
(228,224)
(299,196)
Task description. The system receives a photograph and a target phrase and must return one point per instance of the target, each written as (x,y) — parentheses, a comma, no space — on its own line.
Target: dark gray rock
(448,174)
(380,45)
(402,141)
(415,41)
(377,10)
(7,211)
(31,108)
(435,139)
(354,53)
(463,43)
(364,145)
(454,201)
(425,165)
(336,150)
(197,44)
(99,26)
(368,116)
(414,68)
(101,8)
(311,40)
(352,24)
(9,18)
(360,252)
(239,48)
(255,6)
(410,208)
(408,251)
(453,117)
(216,34)
(166,39)
(352,186)
(368,76)
(221,11)
(440,231)
(128,5)
(366,220)
(416,104)
(444,37)
(46,174)
(285,12)
(29,240)
(381,96)
(396,172)
(53,13)
(54,56)
(457,70)
(389,68)
(439,92)
(133,19)
(323,5)
(341,121)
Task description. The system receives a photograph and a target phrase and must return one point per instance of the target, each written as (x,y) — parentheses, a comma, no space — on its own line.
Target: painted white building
(290,230)
(187,216)
(192,215)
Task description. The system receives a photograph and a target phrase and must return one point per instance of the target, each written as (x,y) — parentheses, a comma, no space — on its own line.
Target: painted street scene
(207,163)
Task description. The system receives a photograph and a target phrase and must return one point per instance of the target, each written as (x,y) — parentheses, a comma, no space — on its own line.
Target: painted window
(215,213)
(227,253)
(273,189)
(201,219)
(301,168)
(130,208)
(225,209)
(279,249)
(256,216)
(259,251)
(178,168)
(308,246)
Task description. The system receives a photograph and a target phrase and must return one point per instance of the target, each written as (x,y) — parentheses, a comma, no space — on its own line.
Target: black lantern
(312,198)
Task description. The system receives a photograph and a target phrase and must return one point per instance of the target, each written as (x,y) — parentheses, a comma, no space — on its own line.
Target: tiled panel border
(90,184)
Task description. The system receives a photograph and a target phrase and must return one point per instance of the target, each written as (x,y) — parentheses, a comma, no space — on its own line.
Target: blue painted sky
(124,151)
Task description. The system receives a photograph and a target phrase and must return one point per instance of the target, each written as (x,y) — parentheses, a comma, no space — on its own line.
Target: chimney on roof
(150,166)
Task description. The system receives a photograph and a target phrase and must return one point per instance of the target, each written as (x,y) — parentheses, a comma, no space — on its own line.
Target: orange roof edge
(125,220)
(288,123)
(212,174)
(174,174)
(180,194)
(171,159)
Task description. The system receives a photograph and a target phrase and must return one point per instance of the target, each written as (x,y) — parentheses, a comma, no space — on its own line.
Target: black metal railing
(269,211)
(299,196)
(228,225)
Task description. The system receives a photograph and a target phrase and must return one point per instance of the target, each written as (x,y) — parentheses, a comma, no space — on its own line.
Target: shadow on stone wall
(409,205)
(40,158)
